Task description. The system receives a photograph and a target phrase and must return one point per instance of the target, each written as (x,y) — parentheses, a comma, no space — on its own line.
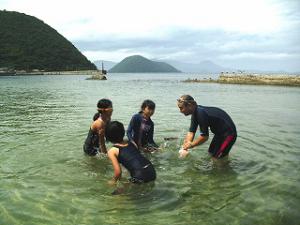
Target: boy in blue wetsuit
(205,117)
(141,128)
(127,154)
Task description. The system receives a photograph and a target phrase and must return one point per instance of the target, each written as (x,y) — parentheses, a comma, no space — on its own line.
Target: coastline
(252,79)
(24,73)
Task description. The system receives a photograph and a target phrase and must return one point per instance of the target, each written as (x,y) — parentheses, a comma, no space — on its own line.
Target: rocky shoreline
(37,72)
(254,79)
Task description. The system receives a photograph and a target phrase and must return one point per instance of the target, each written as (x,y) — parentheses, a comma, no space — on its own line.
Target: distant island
(204,67)
(28,45)
(254,79)
(140,64)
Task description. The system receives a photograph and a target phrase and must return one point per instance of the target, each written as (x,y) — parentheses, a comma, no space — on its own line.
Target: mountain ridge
(140,64)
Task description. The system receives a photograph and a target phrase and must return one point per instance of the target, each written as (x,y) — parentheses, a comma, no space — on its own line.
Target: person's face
(108,111)
(148,112)
(185,109)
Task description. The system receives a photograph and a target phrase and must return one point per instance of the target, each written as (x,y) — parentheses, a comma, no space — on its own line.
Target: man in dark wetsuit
(205,117)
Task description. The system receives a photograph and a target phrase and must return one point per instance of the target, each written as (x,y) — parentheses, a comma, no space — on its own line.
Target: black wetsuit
(91,144)
(140,168)
(220,124)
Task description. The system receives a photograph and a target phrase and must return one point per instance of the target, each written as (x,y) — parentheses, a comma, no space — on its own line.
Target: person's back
(140,168)
(218,120)
(91,143)
(127,154)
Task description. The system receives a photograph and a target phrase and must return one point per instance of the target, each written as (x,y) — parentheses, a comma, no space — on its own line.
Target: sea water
(46,178)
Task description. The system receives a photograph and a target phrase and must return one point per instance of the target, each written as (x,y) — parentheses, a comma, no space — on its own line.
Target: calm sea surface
(46,178)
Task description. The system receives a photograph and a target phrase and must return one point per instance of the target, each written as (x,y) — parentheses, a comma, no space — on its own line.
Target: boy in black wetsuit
(127,153)
(205,117)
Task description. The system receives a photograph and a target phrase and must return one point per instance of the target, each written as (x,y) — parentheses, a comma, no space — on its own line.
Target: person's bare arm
(188,139)
(99,127)
(102,146)
(191,143)
(112,155)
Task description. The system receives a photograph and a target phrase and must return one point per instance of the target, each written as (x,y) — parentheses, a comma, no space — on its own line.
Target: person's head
(186,104)
(114,132)
(148,108)
(104,107)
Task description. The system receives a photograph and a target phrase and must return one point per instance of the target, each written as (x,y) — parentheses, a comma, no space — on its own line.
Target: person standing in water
(127,154)
(95,141)
(205,117)
(141,128)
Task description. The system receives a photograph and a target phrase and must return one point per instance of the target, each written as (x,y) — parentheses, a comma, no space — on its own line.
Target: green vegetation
(139,64)
(27,43)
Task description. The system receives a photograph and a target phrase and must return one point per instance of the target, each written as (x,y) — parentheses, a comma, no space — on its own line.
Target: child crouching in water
(127,154)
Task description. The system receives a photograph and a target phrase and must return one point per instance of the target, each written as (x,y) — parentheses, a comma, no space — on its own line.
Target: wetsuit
(140,130)
(220,124)
(140,168)
(91,144)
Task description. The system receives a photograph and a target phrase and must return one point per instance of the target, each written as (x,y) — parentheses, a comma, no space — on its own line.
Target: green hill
(140,64)
(27,43)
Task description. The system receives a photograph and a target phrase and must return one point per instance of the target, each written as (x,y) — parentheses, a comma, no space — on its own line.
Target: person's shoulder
(201,108)
(97,124)
(113,148)
(113,151)
(201,111)
(137,116)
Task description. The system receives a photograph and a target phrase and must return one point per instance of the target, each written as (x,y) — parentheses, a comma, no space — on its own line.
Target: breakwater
(254,79)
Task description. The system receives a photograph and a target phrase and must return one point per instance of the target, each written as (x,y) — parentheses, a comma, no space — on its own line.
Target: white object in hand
(183,153)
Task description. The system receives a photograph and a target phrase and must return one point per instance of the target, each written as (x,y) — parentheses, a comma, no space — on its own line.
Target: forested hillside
(27,43)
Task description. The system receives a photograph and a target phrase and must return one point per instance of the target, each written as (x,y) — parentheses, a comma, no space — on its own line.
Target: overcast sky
(245,34)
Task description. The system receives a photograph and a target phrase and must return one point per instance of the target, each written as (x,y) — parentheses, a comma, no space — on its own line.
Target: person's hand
(187,145)
(183,153)
(112,182)
(150,149)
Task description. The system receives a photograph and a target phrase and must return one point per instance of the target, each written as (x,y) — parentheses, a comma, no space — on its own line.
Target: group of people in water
(140,133)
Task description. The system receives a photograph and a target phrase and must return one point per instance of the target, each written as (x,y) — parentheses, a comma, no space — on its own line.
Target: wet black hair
(102,104)
(147,103)
(114,132)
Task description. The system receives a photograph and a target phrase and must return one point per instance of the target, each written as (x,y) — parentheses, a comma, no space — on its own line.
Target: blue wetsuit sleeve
(129,131)
(133,128)
(151,133)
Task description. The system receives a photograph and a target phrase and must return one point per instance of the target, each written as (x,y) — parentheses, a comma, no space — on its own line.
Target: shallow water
(46,178)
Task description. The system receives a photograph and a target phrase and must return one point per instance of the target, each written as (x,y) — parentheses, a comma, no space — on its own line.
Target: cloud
(226,32)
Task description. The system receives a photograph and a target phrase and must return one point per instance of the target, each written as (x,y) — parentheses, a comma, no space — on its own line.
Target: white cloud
(92,18)
(260,55)
(190,30)
(115,56)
